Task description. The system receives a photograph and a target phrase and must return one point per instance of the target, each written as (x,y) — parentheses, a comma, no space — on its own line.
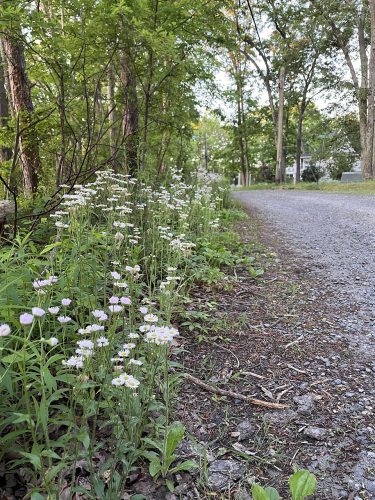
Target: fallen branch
(235,395)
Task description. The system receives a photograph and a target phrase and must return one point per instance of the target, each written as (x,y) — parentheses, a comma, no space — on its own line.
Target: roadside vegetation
(363,187)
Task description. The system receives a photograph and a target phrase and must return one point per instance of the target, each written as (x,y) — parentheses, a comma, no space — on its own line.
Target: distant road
(334,232)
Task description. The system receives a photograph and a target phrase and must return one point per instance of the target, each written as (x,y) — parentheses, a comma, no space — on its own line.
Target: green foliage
(72,374)
(312,173)
(302,484)
(162,460)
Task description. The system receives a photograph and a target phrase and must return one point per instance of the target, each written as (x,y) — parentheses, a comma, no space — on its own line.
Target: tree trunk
(368,168)
(23,107)
(279,153)
(5,153)
(299,148)
(112,115)
(363,89)
(130,115)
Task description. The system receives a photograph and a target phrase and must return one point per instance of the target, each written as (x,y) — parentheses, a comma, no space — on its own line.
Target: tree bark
(112,115)
(130,115)
(23,107)
(368,168)
(280,120)
(363,88)
(5,153)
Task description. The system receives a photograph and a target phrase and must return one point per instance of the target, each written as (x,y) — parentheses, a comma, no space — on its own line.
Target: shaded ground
(302,335)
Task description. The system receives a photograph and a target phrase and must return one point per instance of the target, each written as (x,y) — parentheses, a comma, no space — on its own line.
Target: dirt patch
(287,337)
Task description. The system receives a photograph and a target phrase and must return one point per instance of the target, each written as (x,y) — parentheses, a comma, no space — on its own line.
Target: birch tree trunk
(23,107)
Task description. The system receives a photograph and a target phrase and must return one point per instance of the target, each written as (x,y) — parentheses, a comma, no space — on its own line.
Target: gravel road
(330,238)
(333,233)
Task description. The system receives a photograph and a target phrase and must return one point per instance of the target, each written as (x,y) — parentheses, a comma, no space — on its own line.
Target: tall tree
(23,109)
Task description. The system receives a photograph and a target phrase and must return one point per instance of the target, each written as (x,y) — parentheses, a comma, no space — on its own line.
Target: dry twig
(235,395)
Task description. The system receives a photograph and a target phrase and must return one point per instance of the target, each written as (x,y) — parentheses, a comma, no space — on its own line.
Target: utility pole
(279,154)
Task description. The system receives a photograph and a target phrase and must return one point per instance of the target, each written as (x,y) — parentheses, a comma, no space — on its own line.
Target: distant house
(306,160)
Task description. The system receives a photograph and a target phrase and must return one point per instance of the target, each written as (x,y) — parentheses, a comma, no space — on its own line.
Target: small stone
(305,403)
(223,472)
(317,433)
(245,430)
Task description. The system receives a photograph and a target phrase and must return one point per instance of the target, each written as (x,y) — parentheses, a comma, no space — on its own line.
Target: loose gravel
(335,235)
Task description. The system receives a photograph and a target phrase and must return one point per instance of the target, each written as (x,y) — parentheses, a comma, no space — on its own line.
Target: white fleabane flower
(133,336)
(94,328)
(102,342)
(131,345)
(38,312)
(99,314)
(114,300)
(61,225)
(26,319)
(151,318)
(119,237)
(4,330)
(117,381)
(85,344)
(143,310)
(123,353)
(120,284)
(144,328)
(66,302)
(63,319)
(116,275)
(115,308)
(52,341)
(54,310)
(74,362)
(126,301)
(132,383)
(127,380)
(135,362)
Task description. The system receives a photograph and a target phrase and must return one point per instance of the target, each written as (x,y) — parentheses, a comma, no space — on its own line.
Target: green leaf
(33,459)
(54,471)
(138,496)
(155,467)
(175,435)
(302,484)
(154,444)
(49,379)
(51,454)
(84,438)
(50,247)
(272,493)
(170,485)
(258,493)
(187,465)
(16,357)
(37,496)
(150,455)
(21,417)
(6,380)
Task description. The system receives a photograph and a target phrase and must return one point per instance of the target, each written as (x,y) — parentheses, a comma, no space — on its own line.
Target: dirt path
(301,335)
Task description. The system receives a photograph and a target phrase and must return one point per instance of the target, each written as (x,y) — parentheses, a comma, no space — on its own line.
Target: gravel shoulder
(301,335)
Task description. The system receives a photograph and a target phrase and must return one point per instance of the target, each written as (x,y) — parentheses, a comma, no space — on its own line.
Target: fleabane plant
(87,333)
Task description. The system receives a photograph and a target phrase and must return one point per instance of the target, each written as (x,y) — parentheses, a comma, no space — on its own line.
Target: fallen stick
(235,395)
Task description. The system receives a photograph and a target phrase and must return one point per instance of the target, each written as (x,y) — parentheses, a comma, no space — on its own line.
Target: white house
(306,160)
